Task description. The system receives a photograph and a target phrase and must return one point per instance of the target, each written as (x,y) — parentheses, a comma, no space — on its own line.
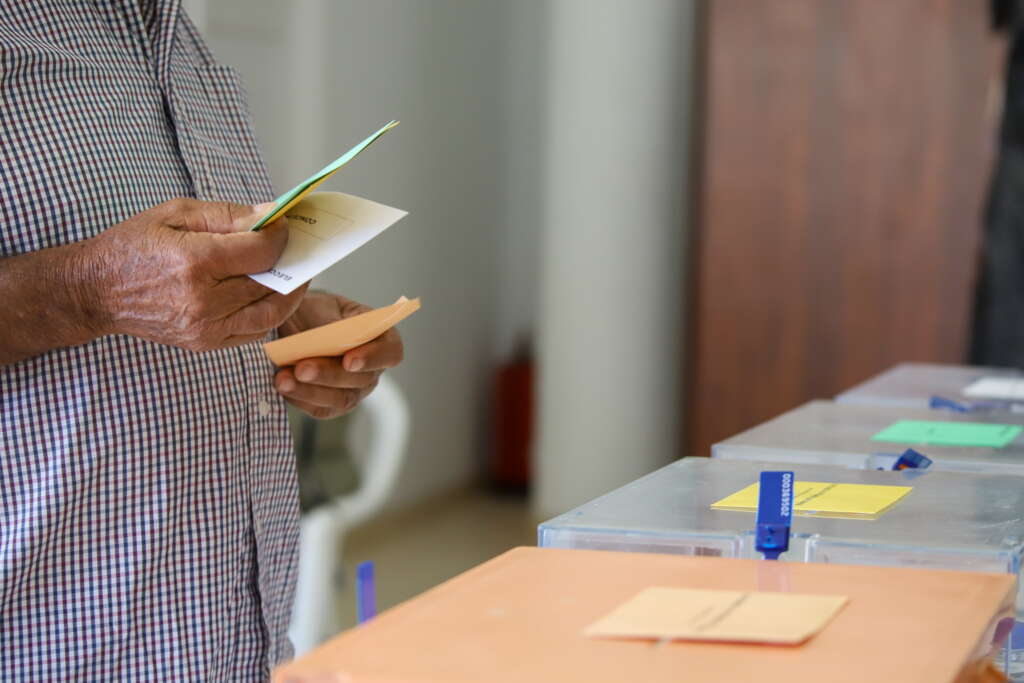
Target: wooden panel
(845,152)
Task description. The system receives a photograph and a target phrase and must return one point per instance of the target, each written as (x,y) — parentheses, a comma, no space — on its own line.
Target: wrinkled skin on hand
(176,274)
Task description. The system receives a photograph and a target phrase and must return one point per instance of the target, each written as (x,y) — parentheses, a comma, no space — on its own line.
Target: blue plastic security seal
(942,403)
(774,513)
(366,593)
(912,460)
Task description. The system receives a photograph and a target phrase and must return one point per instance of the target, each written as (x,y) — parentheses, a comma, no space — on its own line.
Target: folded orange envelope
(338,337)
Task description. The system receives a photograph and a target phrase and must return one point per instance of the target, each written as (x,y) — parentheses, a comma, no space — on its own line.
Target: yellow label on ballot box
(824,499)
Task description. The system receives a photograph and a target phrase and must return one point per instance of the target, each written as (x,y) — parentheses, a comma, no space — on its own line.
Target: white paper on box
(1005,388)
(324,228)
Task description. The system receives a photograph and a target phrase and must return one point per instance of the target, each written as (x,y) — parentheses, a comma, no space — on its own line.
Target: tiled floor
(425,545)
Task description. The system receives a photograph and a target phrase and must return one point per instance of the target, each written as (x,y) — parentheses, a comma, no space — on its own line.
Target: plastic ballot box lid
(873,437)
(930,385)
(522,616)
(944,521)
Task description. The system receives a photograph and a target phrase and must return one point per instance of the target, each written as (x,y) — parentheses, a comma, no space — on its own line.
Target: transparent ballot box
(844,434)
(947,521)
(929,385)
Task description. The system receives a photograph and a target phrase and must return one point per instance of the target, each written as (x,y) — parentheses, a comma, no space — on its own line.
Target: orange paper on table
(717,615)
(338,337)
(523,616)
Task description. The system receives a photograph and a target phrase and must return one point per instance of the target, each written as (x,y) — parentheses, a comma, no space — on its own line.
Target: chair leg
(307,436)
(315,618)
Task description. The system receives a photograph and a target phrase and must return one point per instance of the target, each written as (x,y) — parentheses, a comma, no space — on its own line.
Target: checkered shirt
(148,498)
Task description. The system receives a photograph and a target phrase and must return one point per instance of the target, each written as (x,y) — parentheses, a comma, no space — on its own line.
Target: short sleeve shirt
(148,498)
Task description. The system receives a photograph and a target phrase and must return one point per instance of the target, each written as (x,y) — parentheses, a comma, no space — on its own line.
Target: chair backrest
(378,441)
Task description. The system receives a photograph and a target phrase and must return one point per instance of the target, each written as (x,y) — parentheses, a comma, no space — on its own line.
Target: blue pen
(774,513)
(366,594)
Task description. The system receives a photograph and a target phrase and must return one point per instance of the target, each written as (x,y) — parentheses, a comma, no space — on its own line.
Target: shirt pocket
(216,137)
(77,131)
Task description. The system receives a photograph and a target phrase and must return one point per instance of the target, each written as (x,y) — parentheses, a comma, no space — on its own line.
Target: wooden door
(845,148)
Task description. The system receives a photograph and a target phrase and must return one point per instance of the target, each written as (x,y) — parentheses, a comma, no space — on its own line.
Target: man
(998,326)
(148,503)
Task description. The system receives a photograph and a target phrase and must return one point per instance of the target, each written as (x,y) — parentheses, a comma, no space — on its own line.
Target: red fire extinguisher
(513,424)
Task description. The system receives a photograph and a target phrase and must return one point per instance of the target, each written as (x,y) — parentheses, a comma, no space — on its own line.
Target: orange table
(520,617)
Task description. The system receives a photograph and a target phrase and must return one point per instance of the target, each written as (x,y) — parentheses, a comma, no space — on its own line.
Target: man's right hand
(176,274)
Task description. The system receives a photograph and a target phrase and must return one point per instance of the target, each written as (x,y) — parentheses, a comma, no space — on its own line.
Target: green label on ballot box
(935,433)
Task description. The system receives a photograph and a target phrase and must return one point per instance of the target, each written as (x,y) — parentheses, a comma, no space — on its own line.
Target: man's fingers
(217,217)
(329,372)
(246,253)
(258,212)
(386,351)
(238,291)
(263,315)
(342,400)
(227,245)
(319,412)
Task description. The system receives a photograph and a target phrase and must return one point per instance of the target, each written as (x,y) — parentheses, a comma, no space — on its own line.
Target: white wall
(613,245)
(596,115)
(522,136)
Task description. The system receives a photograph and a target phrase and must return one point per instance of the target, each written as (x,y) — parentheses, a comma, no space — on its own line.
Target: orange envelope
(338,337)
(522,617)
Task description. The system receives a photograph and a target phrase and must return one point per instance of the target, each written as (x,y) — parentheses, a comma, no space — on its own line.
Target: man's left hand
(329,387)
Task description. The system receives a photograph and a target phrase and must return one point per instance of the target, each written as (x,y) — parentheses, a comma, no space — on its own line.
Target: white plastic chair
(377,443)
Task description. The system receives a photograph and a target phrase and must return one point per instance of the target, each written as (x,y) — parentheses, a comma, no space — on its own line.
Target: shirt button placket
(264,408)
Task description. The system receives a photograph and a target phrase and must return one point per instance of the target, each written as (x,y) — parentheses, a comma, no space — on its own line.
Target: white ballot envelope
(323,228)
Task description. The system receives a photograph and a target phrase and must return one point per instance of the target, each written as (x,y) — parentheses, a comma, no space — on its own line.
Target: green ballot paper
(934,433)
(294,195)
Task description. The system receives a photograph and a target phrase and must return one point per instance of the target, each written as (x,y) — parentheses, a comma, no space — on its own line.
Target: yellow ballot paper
(294,195)
(338,337)
(824,499)
(719,615)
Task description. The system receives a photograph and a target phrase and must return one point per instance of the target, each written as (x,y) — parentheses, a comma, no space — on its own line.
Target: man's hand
(329,387)
(176,274)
